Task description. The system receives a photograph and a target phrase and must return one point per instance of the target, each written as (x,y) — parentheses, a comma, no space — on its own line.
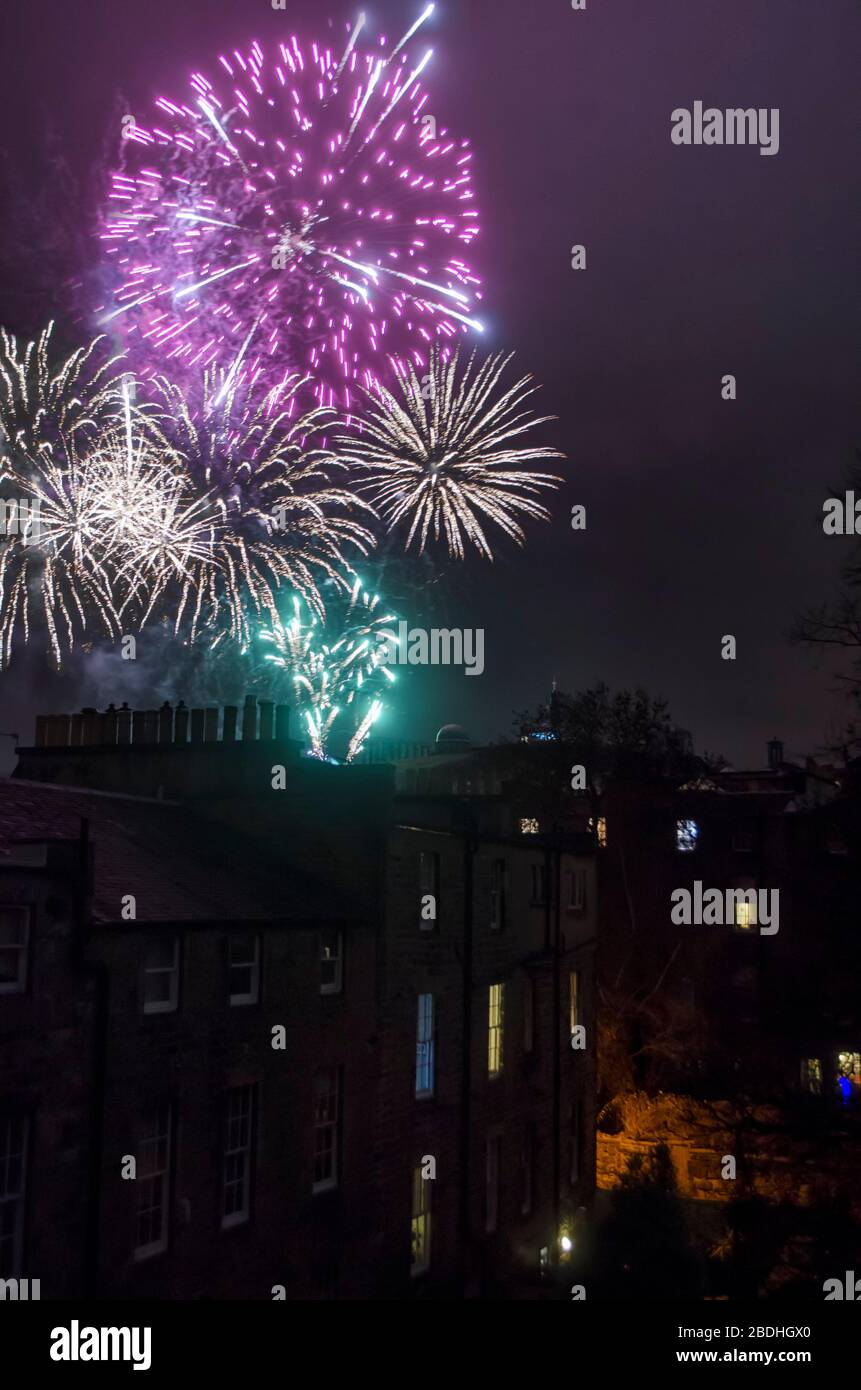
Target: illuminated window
(849,1074)
(495,1024)
(498,885)
(811,1075)
(331,962)
(161,976)
(745,916)
(152,1183)
(425,1047)
(14,943)
(239,1119)
(13,1177)
(244,969)
(326,1105)
(599,827)
(687,834)
(491,1201)
(576,890)
(528,1014)
(529,826)
(573,999)
(420,1224)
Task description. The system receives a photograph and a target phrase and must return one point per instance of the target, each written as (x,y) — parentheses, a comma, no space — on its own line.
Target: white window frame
(21,948)
(169,1005)
(157,1135)
(327,1127)
(14,1155)
(495,1029)
(421,1227)
(237,1000)
(239,1107)
(335,985)
(425,1047)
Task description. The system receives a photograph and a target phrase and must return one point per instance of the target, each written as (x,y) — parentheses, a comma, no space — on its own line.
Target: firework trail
(301,212)
(442,454)
(330,676)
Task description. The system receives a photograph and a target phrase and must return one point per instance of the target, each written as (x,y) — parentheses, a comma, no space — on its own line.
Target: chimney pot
(228,733)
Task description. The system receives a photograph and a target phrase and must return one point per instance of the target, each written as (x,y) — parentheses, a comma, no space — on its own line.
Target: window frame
(22,948)
(337,985)
(527,1170)
(425,1060)
(577,889)
(331,1126)
(573,1000)
(162,1175)
(538,885)
(495,1029)
(575,1162)
(498,892)
(237,1001)
(15,1196)
(529,1016)
(492,1171)
(421,1223)
(170,1005)
(241,1216)
(682,835)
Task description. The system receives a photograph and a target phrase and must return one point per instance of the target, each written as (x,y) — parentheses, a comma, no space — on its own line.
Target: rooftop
(178,866)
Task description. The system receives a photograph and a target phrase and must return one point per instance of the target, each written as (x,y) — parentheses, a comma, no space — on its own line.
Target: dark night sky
(704,516)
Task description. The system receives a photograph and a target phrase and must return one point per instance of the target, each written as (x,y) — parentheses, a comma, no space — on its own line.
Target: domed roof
(453,733)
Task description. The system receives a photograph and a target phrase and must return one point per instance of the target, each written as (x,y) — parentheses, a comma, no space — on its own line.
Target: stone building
(271,1027)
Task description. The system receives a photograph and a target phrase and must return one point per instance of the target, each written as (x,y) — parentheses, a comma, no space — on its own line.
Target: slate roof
(178,866)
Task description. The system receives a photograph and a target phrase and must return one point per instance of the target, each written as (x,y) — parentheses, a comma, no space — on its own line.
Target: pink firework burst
(303,211)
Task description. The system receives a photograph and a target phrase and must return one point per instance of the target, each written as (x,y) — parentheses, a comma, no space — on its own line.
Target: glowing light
(336,665)
(441,453)
(234,211)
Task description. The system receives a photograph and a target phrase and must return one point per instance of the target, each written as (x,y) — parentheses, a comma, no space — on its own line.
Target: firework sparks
(330,676)
(58,566)
(267,472)
(43,401)
(304,211)
(441,453)
(154,509)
